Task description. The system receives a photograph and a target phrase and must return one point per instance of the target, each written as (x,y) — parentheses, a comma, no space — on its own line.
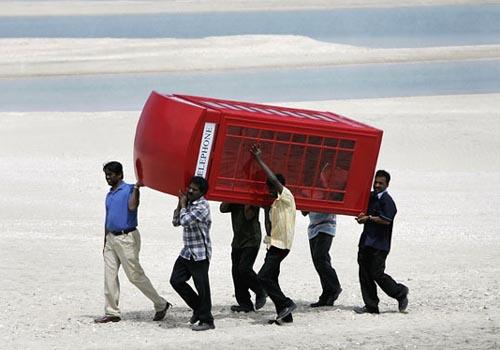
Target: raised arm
(133,201)
(181,203)
(257,153)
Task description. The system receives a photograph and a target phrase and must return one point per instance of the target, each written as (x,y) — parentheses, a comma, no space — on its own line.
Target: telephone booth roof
(283,114)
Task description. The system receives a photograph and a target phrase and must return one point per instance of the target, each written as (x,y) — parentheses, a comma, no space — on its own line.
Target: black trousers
(371,273)
(244,277)
(201,303)
(268,277)
(320,247)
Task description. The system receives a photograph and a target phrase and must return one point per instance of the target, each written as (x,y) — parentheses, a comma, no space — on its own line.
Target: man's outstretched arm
(257,153)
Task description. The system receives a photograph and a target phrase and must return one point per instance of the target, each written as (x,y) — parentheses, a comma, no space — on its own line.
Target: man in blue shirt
(193,214)
(374,246)
(122,244)
(321,231)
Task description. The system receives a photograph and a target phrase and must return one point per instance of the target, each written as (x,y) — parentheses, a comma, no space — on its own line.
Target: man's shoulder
(201,202)
(286,192)
(123,186)
(388,203)
(387,197)
(286,199)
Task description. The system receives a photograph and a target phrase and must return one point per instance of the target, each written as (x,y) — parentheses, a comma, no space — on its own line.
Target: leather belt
(123,232)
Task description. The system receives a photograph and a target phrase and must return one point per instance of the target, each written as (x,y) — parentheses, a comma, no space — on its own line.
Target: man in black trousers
(193,214)
(281,222)
(245,247)
(374,246)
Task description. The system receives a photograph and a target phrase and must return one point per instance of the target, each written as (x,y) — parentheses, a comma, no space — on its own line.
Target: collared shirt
(118,215)
(195,220)
(282,216)
(321,222)
(375,235)
(379,195)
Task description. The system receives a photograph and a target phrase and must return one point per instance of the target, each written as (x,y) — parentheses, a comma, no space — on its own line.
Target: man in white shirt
(282,218)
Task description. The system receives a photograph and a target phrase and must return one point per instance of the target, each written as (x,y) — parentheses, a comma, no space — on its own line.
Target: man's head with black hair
(197,188)
(114,173)
(381,182)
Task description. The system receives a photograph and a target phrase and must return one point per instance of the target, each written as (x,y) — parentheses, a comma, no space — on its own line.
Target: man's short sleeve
(388,208)
(285,196)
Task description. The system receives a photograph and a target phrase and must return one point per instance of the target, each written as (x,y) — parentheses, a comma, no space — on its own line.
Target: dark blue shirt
(118,216)
(375,235)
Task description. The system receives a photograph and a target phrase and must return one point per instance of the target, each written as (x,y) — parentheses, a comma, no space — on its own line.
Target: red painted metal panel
(327,159)
(165,142)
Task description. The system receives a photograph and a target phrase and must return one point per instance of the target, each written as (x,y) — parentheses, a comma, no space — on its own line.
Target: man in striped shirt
(193,214)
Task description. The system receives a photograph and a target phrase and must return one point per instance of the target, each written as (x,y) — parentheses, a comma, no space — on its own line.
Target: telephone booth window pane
(326,166)
(250,132)
(294,172)
(337,196)
(310,166)
(283,136)
(228,161)
(341,172)
(280,158)
(315,140)
(234,130)
(331,142)
(347,144)
(245,163)
(267,135)
(299,138)
(344,160)
(339,179)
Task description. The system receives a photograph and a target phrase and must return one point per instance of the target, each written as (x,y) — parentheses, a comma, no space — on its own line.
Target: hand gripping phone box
(328,160)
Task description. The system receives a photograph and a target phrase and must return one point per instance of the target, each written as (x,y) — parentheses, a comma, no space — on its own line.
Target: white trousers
(124,250)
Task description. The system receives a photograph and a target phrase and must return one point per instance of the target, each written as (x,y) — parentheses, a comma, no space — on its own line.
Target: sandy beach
(439,149)
(49,57)
(442,152)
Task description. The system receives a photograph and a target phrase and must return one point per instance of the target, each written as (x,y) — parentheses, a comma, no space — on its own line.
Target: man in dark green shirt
(245,247)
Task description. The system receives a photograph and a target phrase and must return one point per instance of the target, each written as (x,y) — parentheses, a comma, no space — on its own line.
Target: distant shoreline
(12,8)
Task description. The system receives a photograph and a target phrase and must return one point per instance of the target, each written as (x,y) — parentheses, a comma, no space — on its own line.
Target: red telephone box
(328,160)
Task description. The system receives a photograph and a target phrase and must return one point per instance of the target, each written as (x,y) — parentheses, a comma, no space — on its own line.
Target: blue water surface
(129,92)
(375,27)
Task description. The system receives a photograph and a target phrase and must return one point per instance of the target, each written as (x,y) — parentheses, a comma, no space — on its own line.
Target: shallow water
(387,27)
(130,91)
(375,27)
